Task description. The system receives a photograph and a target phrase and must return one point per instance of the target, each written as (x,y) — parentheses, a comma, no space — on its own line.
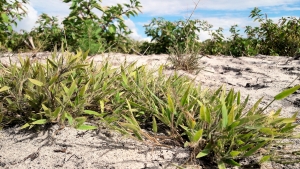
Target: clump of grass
(70,90)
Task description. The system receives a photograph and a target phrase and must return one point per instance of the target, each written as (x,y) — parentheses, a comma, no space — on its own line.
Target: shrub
(10,12)
(108,29)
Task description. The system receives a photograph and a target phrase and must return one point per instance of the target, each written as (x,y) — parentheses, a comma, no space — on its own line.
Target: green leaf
(154,125)
(231,162)
(79,121)
(36,82)
(235,153)
(4,88)
(91,112)
(69,117)
(72,88)
(25,126)
(205,151)
(41,121)
(4,17)
(112,29)
(198,135)
(254,149)
(264,159)
(184,98)
(86,127)
(286,92)
(224,116)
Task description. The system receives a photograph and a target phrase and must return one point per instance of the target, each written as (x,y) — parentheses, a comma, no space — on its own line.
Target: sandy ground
(259,76)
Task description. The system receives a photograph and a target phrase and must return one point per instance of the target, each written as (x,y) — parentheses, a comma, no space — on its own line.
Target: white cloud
(177,8)
(134,34)
(166,7)
(29,21)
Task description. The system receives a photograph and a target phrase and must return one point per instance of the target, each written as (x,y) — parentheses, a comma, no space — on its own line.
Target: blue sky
(219,13)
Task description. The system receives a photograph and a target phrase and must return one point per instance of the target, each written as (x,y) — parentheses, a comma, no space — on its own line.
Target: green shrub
(84,26)
(10,11)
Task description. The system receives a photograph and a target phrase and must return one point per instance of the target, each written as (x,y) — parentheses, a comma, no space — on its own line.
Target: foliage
(214,124)
(10,11)
(109,28)
(47,34)
(166,34)
(282,38)
(269,38)
(179,39)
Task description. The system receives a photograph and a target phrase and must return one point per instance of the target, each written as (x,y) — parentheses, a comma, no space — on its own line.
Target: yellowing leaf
(36,82)
(4,88)
(41,121)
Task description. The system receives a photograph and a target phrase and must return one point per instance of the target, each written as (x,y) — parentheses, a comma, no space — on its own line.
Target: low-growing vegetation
(70,90)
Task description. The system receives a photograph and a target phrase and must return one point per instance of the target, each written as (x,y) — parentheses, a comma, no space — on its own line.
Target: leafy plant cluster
(70,90)
(10,11)
(83,28)
(269,38)
(282,38)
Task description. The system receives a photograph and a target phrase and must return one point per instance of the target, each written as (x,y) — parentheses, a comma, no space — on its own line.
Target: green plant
(47,34)
(108,29)
(214,124)
(282,38)
(166,34)
(10,11)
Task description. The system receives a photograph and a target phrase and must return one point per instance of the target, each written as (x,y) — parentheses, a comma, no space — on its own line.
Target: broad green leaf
(264,159)
(224,116)
(79,120)
(205,151)
(266,130)
(254,149)
(184,98)
(91,112)
(70,118)
(286,92)
(112,29)
(170,103)
(231,162)
(36,82)
(4,17)
(198,135)
(25,126)
(65,88)
(41,121)
(86,127)
(56,112)
(235,153)
(246,147)
(72,88)
(4,88)
(231,115)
